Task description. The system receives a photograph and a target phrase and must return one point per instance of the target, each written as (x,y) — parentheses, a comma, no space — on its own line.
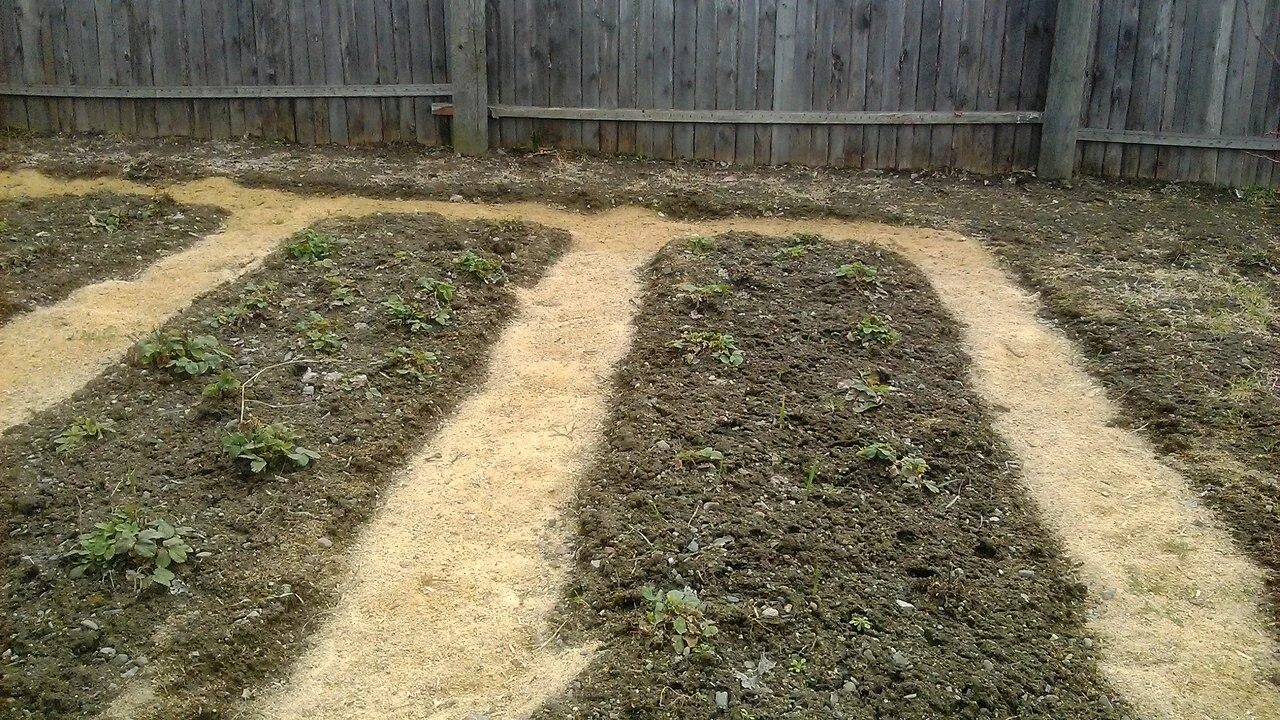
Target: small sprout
(342,291)
(317,333)
(703,293)
(267,446)
(878,451)
(149,550)
(109,222)
(911,466)
(680,616)
(701,244)
(810,475)
(705,455)
(408,314)
(488,270)
(807,238)
(81,432)
(859,271)
(310,245)
(510,225)
(797,665)
(722,346)
(861,623)
(442,291)
(873,329)
(417,364)
(223,385)
(866,393)
(181,354)
(794,251)
(253,301)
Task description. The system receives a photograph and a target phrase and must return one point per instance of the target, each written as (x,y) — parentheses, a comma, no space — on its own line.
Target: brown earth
(275,542)
(876,596)
(49,247)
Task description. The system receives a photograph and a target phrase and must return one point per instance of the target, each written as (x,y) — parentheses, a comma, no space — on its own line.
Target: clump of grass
(81,431)
(310,245)
(419,365)
(872,329)
(679,617)
(488,270)
(722,346)
(148,550)
(181,353)
(262,447)
(701,244)
(317,333)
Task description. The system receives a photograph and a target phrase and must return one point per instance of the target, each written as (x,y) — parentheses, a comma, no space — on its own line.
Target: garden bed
(354,342)
(49,247)
(794,442)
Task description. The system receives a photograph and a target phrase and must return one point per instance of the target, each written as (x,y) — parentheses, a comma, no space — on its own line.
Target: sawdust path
(470,530)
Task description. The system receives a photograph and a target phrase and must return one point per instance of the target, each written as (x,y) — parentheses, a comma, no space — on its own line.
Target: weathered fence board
(1173,89)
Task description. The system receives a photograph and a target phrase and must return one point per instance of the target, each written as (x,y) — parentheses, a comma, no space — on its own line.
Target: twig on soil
(244,386)
(555,633)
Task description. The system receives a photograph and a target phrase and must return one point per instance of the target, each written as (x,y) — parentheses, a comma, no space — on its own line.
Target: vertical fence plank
(467,69)
(663,73)
(726,76)
(823,82)
(684,76)
(1066,88)
(944,84)
(766,33)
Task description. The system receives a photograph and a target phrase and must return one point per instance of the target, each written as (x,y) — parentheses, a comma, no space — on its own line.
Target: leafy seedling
(859,271)
(263,447)
(487,269)
(417,364)
(148,550)
(254,300)
(878,451)
(317,333)
(701,244)
(441,290)
(797,665)
(80,432)
(223,385)
(509,225)
(679,617)
(310,245)
(704,455)
(109,222)
(722,346)
(409,314)
(700,294)
(795,251)
(181,354)
(873,329)
(861,623)
(342,291)
(865,393)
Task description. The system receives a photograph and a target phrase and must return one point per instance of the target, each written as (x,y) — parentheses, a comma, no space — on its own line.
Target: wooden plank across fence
(1172,89)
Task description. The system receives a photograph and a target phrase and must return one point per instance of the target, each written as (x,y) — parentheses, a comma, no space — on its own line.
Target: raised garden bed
(348,348)
(828,486)
(51,246)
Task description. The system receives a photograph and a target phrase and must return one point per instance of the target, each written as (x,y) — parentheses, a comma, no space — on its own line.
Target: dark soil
(1184,330)
(274,542)
(49,247)
(876,596)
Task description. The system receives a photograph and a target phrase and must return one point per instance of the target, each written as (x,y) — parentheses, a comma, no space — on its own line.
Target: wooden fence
(1175,89)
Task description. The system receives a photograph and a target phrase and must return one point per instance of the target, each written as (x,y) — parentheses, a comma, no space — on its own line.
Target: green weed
(797,665)
(861,623)
(487,269)
(317,333)
(80,432)
(417,364)
(700,294)
(182,354)
(442,291)
(865,393)
(878,451)
(859,271)
(412,316)
(679,617)
(264,447)
(254,299)
(310,245)
(342,291)
(149,550)
(223,385)
(873,329)
(704,455)
(701,244)
(722,346)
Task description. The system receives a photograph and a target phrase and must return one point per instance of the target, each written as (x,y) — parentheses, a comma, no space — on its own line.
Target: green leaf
(163,576)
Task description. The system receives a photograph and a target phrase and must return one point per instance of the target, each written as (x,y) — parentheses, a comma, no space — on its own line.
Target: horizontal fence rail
(1169,89)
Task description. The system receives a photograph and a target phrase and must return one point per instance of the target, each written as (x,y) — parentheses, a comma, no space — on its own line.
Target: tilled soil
(1184,330)
(270,546)
(51,246)
(838,588)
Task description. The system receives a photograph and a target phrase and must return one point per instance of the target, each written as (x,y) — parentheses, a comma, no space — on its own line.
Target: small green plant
(317,333)
(254,299)
(794,251)
(109,222)
(487,269)
(680,616)
(865,393)
(149,550)
(797,665)
(873,329)
(509,225)
(310,245)
(408,314)
(80,432)
(861,623)
(878,451)
(417,364)
(342,291)
(441,290)
(223,385)
(913,467)
(182,354)
(722,346)
(702,244)
(810,475)
(704,455)
(859,271)
(271,446)
(700,294)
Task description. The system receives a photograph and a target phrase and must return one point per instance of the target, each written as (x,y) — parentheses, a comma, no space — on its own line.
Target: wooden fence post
(468,75)
(1065,94)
